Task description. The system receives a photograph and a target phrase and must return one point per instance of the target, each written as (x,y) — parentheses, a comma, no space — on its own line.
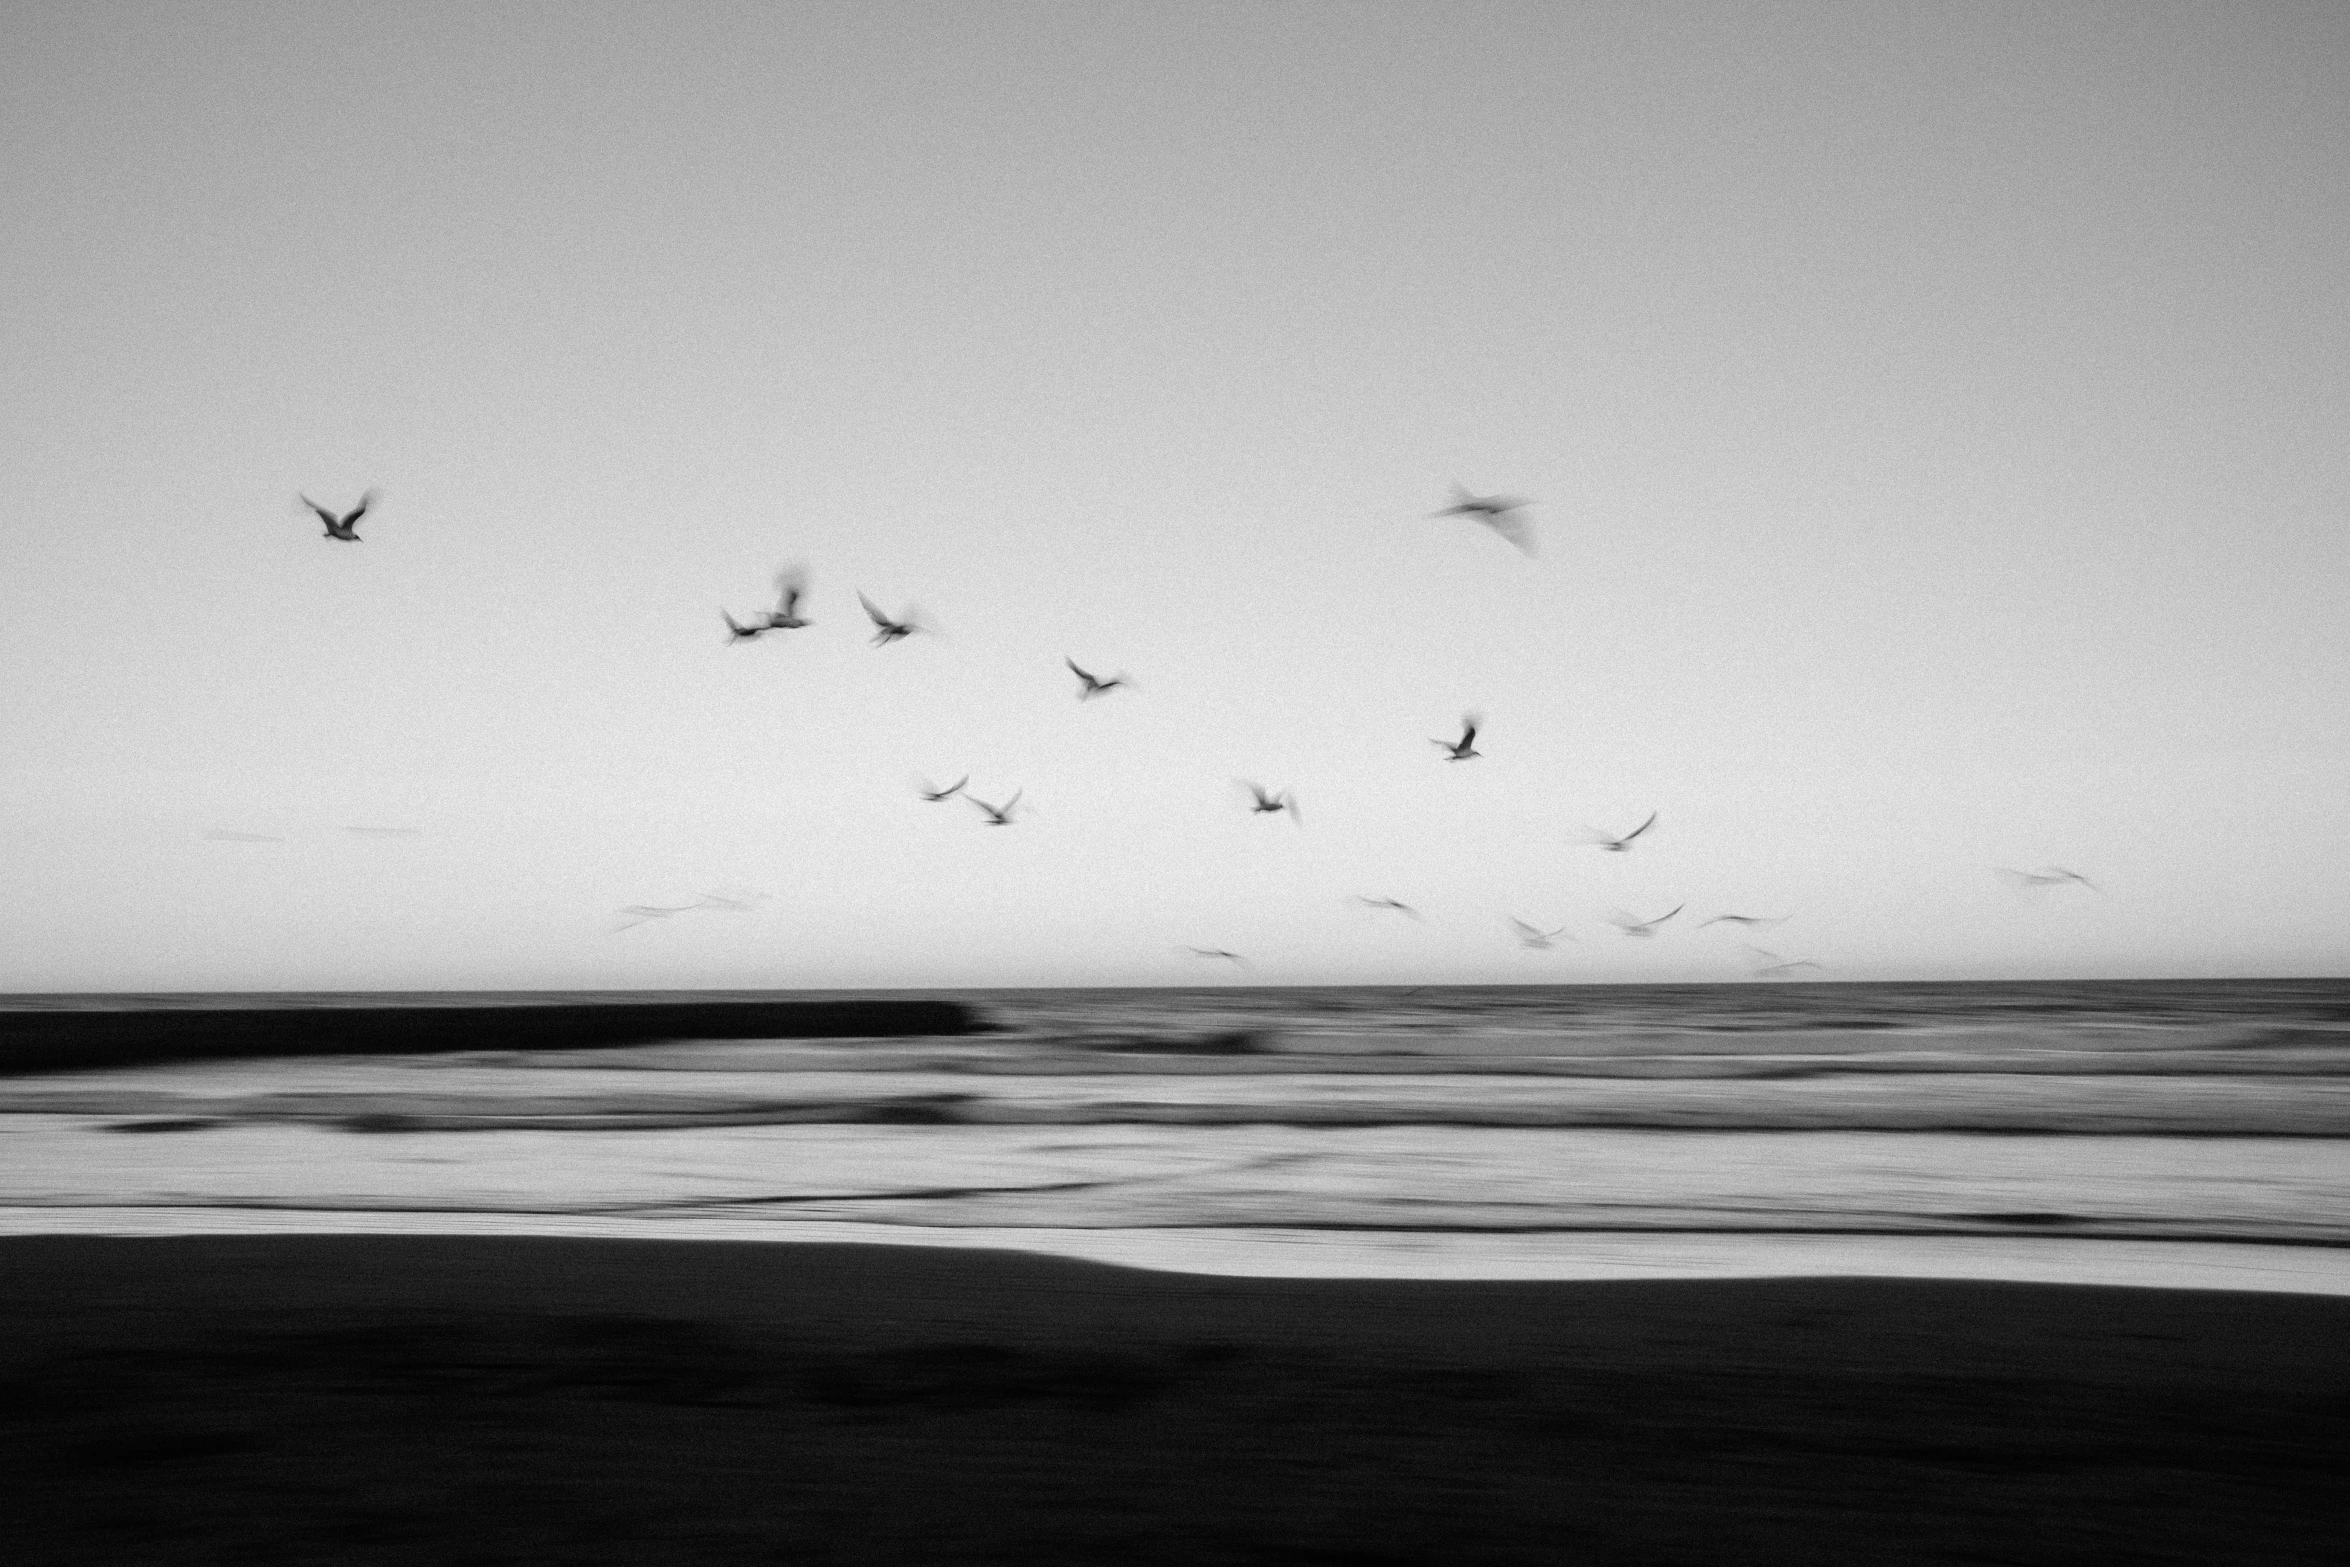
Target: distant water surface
(2181,1111)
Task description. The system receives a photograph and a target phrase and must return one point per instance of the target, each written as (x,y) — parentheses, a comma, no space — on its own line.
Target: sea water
(2181,1126)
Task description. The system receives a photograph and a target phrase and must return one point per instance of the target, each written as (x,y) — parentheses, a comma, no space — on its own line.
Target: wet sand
(390,1399)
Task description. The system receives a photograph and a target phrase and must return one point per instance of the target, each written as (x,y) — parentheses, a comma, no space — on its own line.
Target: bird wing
(873,610)
(1469,731)
(1015,800)
(359,510)
(1079,673)
(1661,918)
(323,514)
(1637,831)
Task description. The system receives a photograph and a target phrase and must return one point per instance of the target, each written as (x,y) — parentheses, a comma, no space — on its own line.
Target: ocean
(1465,1130)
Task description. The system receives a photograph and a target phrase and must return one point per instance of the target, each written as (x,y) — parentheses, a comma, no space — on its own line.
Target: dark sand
(397,1400)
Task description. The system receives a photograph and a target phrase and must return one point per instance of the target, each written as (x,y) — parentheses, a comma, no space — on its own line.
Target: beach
(382,1398)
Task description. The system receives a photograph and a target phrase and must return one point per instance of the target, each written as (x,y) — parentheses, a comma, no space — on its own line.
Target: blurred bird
(1466,746)
(997,815)
(1095,686)
(1769,965)
(889,630)
(1266,804)
(737,902)
(934,794)
(1639,927)
(1534,936)
(1501,513)
(342,527)
(1217,952)
(2046,876)
(737,631)
(1387,903)
(791,585)
(1744,919)
(1612,844)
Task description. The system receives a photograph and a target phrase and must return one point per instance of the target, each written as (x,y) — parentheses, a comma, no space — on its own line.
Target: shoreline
(1338,1255)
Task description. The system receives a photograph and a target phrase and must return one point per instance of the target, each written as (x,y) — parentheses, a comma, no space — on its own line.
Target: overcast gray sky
(1934,413)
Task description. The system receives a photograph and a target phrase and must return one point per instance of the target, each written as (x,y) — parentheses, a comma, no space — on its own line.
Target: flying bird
(1217,952)
(736,631)
(934,794)
(791,585)
(345,526)
(2047,876)
(997,815)
(1387,903)
(1266,804)
(1535,936)
(1501,513)
(737,903)
(1612,844)
(1095,686)
(1639,927)
(889,630)
(1466,746)
(1745,919)
(1768,964)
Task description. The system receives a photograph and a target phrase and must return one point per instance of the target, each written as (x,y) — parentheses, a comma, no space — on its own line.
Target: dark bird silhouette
(934,795)
(997,815)
(1465,747)
(1217,952)
(889,630)
(1769,965)
(1615,845)
(1504,514)
(342,527)
(1639,927)
(736,631)
(1265,803)
(2047,876)
(1534,935)
(791,585)
(1387,903)
(1745,919)
(1093,685)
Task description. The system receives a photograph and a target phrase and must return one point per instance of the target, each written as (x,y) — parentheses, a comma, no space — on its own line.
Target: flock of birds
(1504,514)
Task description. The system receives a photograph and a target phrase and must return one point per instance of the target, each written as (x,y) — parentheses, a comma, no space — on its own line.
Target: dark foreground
(374,1400)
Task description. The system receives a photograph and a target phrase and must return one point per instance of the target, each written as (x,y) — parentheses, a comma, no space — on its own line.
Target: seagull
(1217,952)
(1769,963)
(1387,903)
(1498,512)
(997,815)
(1265,804)
(791,586)
(2047,876)
(1744,919)
(343,527)
(1636,927)
(1466,746)
(640,912)
(737,631)
(1615,845)
(1095,686)
(890,630)
(934,794)
(1536,937)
